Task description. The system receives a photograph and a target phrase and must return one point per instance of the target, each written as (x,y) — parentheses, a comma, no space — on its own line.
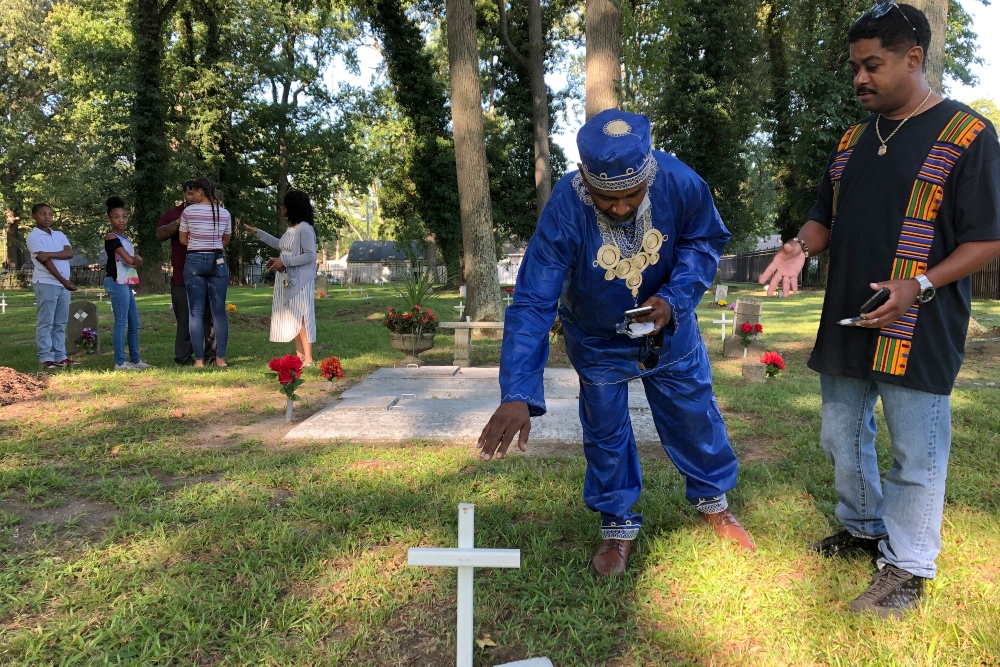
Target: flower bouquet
(721,303)
(288,370)
(418,320)
(87,340)
(331,369)
(750,332)
(775,364)
(230,306)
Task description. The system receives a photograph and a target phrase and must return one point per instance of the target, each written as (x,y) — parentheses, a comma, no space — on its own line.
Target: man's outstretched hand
(785,269)
(509,420)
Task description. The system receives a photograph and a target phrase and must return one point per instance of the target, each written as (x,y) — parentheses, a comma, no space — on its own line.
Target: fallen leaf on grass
(484,640)
(115,450)
(177,413)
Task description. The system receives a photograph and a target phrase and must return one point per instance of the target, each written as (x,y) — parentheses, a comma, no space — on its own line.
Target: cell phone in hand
(877,300)
(638,312)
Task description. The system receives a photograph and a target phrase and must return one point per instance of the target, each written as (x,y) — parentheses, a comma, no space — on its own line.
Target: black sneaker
(845,545)
(891,593)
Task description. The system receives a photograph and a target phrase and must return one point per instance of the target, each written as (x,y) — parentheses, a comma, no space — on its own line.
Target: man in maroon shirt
(167,228)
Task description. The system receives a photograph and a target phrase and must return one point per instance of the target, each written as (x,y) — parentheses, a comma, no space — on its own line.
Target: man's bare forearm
(816,236)
(965,260)
(166,232)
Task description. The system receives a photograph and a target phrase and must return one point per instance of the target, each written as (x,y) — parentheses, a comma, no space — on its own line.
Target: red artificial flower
(417,308)
(274,364)
(330,368)
(759,328)
(746,327)
(407,316)
(509,290)
(773,358)
(284,376)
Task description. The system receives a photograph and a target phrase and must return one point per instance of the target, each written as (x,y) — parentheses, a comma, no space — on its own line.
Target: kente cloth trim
(895,341)
(844,151)
(630,179)
(712,505)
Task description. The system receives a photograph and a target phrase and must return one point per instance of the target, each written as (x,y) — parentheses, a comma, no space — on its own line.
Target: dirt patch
(248,320)
(377,465)
(755,449)
(78,516)
(16,387)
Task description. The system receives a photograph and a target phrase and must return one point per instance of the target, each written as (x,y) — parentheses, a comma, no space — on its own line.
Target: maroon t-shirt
(178,252)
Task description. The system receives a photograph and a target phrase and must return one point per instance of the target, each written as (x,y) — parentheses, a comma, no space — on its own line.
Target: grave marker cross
(461,310)
(466,558)
(723,322)
(3,303)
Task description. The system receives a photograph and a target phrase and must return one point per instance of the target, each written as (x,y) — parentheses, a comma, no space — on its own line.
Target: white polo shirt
(40,241)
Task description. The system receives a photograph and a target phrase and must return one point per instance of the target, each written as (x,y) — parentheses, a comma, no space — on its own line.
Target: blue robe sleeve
(696,252)
(548,260)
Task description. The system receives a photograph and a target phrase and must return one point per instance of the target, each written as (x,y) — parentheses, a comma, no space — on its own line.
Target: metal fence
(747,268)
(986,281)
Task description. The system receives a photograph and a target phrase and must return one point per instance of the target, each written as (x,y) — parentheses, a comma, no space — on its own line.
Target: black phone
(638,312)
(879,298)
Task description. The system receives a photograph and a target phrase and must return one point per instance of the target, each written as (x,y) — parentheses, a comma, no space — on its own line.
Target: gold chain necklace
(883,149)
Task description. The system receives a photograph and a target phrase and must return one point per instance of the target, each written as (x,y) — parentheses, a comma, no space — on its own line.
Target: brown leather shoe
(728,528)
(609,561)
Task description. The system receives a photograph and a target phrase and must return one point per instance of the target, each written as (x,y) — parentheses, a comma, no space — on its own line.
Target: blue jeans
(907,508)
(206,279)
(50,326)
(126,319)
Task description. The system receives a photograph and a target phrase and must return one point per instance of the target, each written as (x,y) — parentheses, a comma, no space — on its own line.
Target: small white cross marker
(723,322)
(461,310)
(466,558)
(509,298)
(3,303)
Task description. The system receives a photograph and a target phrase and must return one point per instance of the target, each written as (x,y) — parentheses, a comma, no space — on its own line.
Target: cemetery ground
(158,518)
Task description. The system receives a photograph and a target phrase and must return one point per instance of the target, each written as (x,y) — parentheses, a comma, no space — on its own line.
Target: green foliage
(694,68)
(961,49)
(988,108)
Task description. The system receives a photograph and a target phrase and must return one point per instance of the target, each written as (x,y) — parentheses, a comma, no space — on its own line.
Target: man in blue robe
(633,226)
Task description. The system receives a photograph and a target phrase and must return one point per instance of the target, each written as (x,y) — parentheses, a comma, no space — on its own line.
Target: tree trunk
(604,56)
(535,66)
(431,256)
(478,244)
(149,137)
(937,16)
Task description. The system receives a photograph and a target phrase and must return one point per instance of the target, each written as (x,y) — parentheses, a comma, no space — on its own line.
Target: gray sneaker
(141,365)
(891,593)
(127,366)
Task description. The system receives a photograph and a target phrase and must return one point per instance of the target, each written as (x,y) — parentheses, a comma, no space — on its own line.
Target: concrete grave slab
(415,372)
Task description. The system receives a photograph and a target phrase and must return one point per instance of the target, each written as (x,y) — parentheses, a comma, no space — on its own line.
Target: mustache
(865,89)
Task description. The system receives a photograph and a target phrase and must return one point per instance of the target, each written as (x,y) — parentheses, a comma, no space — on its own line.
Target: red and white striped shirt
(205,234)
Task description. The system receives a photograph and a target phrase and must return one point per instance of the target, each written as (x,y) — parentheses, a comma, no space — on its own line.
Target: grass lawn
(130,535)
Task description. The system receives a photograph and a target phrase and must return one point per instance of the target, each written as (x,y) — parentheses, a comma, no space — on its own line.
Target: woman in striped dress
(293,316)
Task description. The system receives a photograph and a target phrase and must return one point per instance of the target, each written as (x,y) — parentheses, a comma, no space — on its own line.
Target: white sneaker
(141,365)
(124,367)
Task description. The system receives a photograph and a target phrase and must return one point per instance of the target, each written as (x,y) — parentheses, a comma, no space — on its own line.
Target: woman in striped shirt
(205,229)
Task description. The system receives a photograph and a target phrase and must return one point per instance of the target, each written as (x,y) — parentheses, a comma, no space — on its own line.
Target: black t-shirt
(875,194)
(110,246)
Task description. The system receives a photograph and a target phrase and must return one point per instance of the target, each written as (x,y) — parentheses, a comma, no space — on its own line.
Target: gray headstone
(754,371)
(747,310)
(82,314)
(721,293)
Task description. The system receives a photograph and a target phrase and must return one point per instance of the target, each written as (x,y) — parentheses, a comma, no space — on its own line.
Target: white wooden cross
(461,310)
(723,322)
(350,290)
(509,298)
(466,558)
(3,303)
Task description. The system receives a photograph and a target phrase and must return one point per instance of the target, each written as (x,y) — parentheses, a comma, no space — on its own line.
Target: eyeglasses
(647,351)
(882,8)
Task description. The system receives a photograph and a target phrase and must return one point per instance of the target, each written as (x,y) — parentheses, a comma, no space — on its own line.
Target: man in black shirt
(909,203)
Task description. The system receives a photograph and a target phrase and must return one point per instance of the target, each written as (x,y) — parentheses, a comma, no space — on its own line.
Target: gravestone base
(82,314)
(733,348)
(533,662)
(754,371)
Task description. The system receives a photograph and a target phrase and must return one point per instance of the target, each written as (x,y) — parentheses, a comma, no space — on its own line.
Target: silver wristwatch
(927,290)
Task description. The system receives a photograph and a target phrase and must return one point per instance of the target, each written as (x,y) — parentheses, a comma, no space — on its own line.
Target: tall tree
(149,134)
(478,244)
(937,16)
(534,64)
(604,56)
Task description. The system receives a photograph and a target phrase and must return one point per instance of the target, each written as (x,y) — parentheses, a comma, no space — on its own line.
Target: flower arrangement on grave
(87,340)
(775,364)
(509,290)
(331,369)
(721,303)
(288,370)
(750,332)
(230,306)
(417,320)
(732,306)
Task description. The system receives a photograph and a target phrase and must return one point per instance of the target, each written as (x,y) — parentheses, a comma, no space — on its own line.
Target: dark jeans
(182,342)
(206,280)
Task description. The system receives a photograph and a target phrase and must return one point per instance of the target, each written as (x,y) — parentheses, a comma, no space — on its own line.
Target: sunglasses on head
(882,8)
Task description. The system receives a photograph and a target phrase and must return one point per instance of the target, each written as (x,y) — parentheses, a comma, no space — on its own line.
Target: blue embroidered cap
(616,150)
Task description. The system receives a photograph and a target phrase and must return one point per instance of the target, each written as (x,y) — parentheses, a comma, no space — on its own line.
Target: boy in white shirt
(50,253)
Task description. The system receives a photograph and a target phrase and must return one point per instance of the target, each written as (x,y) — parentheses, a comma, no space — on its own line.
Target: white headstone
(465,558)
(721,293)
(461,291)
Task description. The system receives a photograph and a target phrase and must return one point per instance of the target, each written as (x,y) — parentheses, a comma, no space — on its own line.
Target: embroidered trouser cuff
(712,505)
(620,529)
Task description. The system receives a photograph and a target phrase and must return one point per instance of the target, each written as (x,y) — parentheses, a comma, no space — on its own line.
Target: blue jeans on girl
(906,509)
(126,320)
(205,278)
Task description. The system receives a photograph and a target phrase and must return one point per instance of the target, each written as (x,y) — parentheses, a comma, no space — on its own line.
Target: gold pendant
(883,149)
